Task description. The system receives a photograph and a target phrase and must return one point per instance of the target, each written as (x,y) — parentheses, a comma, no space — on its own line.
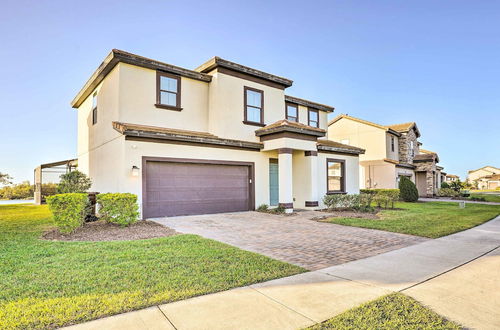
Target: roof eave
(216,62)
(310,104)
(340,150)
(116,56)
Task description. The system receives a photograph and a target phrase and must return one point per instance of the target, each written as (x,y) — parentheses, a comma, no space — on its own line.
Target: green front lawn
(45,284)
(429,219)
(395,311)
(488,197)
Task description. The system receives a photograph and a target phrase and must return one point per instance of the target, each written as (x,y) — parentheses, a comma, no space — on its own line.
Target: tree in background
(22,190)
(407,190)
(457,185)
(74,182)
(5,178)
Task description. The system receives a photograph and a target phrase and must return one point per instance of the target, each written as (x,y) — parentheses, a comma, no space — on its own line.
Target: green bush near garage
(68,210)
(119,208)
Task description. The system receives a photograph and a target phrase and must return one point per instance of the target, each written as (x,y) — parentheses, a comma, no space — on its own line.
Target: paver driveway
(295,239)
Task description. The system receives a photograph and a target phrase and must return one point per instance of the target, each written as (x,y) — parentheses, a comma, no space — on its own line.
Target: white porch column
(285,179)
(312,176)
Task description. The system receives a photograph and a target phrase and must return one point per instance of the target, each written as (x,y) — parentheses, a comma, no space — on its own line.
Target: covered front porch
(427,174)
(297,176)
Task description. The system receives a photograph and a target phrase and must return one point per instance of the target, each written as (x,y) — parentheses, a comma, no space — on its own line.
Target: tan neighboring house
(220,138)
(487,177)
(391,151)
(451,177)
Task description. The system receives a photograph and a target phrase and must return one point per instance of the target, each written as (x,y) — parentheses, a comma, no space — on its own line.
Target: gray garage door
(179,188)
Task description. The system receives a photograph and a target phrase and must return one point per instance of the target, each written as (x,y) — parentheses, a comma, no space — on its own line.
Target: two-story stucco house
(486,177)
(391,151)
(222,137)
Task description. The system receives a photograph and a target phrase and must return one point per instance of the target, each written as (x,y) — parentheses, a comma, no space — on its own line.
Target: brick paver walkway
(295,239)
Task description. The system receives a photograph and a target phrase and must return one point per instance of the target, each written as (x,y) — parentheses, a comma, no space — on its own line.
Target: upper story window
(168,91)
(292,112)
(392,143)
(254,106)
(313,116)
(412,150)
(94,108)
(335,169)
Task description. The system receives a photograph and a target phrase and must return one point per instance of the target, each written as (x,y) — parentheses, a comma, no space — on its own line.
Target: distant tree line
(25,190)
(74,181)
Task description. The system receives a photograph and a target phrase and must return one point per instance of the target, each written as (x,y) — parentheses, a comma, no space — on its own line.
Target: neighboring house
(427,172)
(486,177)
(391,151)
(222,137)
(451,177)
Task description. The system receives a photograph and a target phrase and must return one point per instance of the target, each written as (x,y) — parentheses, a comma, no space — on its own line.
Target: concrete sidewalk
(457,275)
(444,199)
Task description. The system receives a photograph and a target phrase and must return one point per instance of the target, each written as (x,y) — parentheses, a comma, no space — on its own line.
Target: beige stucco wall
(394,155)
(138,97)
(92,137)
(379,174)
(226,107)
(370,138)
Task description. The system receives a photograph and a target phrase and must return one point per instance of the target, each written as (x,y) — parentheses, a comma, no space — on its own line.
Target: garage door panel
(189,188)
(181,194)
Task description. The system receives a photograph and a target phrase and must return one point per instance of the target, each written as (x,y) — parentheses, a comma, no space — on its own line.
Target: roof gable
(366,122)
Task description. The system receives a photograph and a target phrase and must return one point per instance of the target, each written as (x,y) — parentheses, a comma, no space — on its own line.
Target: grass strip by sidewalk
(48,284)
(488,197)
(427,219)
(394,311)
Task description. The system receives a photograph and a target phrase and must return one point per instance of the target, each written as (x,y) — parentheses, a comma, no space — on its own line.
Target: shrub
(361,202)
(457,185)
(408,190)
(447,192)
(119,208)
(74,182)
(279,209)
(69,210)
(445,185)
(383,197)
(477,198)
(263,208)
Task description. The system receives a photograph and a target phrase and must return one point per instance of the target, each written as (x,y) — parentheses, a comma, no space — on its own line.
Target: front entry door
(273,182)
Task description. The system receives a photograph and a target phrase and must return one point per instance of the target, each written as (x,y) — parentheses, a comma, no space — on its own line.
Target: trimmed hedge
(119,208)
(447,192)
(409,192)
(383,197)
(357,202)
(69,210)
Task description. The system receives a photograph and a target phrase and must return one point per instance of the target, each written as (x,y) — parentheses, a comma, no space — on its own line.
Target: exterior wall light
(135,171)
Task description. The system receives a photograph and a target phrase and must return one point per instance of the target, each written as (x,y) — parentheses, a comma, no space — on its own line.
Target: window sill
(336,192)
(167,107)
(253,123)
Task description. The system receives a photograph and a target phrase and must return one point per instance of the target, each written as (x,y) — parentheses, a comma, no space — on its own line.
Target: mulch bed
(346,214)
(103,231)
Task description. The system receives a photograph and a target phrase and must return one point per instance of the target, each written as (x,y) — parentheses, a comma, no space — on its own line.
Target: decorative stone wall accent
(405,139)
(430,169)
(430,183)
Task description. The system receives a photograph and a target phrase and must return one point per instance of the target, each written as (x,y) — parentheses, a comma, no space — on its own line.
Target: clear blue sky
(433,62)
